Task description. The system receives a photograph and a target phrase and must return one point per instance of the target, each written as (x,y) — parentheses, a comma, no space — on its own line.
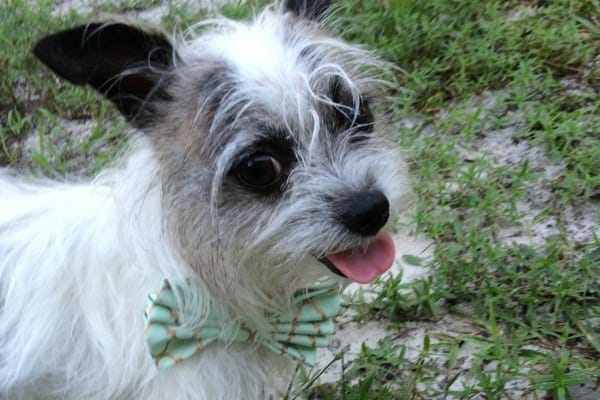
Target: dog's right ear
(128,65)
(315,10)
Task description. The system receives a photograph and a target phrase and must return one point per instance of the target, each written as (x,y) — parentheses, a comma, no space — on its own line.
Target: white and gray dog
(258,171)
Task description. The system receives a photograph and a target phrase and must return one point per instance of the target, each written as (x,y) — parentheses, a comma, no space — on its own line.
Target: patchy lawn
(499,117)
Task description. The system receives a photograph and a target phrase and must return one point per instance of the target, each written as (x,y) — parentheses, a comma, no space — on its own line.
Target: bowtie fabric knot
(296,333)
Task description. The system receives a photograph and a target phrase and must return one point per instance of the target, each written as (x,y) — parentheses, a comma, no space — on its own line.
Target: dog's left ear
(128,65)
(316,10)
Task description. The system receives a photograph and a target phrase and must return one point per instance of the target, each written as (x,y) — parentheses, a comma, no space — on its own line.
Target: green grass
(523,298)
(534,309)
(40,116)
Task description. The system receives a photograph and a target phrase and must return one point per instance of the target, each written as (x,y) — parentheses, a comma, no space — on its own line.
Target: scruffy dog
(257,176)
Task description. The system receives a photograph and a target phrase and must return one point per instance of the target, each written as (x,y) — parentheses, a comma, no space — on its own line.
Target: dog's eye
(260,171)
(357,120)
(361,117)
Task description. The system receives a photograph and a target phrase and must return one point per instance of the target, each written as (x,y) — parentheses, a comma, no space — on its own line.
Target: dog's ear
(128,65)
(316,10)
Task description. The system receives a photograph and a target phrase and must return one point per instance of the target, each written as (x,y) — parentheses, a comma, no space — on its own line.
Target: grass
(534,304)
(537,306)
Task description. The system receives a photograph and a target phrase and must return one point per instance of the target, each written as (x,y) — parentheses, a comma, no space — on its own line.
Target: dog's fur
(77,260)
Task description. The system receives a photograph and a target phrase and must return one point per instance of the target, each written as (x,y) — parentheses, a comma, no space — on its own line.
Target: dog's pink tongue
(364,266)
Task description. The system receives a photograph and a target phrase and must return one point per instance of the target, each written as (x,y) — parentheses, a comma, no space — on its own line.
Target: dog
(257,172)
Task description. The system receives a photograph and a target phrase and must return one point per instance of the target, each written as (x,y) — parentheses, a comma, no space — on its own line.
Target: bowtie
(295,333)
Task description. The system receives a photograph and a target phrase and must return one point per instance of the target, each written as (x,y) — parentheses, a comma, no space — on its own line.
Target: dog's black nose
(365,213)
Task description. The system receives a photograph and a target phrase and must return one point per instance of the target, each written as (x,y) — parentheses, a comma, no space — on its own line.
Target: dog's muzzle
(364,214)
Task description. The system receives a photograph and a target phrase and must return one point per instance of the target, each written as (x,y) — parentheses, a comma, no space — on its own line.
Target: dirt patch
(152,15)
(506,148)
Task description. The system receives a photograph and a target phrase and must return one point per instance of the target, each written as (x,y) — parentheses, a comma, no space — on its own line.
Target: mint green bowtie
(295,333)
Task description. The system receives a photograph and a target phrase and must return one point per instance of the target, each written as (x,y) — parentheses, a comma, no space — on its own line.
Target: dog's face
(272,162)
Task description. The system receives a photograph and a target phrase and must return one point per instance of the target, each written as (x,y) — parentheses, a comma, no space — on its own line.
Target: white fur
(76,263)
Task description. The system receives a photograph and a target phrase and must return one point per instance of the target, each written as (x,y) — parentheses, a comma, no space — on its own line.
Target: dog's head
(272,161)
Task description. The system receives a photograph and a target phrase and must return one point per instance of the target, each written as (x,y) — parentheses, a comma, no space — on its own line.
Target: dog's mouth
(363,265)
